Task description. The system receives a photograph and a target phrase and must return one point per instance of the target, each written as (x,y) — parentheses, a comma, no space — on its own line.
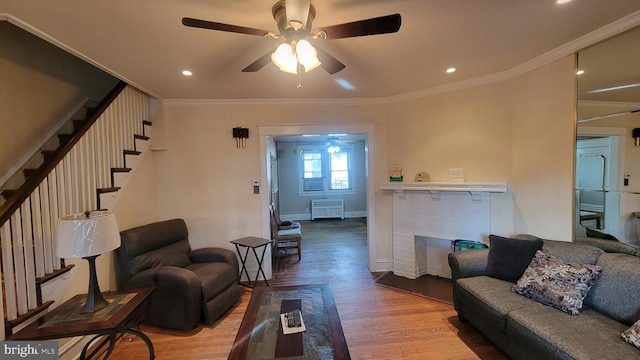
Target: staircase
(85,172)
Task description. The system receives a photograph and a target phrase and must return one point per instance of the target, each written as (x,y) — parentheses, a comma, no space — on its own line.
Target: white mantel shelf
(435,187)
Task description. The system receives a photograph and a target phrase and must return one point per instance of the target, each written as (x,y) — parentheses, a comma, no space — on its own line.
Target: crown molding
(609,104)
(259,102)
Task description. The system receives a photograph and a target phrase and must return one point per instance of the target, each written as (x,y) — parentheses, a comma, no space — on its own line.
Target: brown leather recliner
(191,286)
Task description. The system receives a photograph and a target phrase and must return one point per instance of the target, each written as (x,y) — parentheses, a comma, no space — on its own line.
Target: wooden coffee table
(260,334)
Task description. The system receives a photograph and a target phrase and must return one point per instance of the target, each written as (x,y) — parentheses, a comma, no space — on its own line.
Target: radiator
(327,208)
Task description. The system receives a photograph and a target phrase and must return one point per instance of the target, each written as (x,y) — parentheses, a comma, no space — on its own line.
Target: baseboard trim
(384,265)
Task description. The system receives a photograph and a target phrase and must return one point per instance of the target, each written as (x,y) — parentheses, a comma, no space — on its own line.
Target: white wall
(519,131)
(543,149)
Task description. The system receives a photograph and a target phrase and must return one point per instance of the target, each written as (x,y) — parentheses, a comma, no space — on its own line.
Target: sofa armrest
(468,263)
(212,254)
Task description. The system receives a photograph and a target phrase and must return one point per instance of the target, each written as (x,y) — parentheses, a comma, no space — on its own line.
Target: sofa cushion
(488,300)
(552,334)
(556,283)
(508,258)
(632,335)
(615,294)
(214,277)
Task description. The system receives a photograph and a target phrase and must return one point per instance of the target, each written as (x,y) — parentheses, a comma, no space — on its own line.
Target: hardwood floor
(378,322)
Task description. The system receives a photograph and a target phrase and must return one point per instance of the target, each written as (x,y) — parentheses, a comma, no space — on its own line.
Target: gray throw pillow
(508,258)
(553,282)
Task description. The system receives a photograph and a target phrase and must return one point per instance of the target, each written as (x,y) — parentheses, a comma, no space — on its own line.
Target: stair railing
(69,182)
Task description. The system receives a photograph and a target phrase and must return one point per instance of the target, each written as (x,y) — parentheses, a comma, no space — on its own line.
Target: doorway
(597,167)
(267,146)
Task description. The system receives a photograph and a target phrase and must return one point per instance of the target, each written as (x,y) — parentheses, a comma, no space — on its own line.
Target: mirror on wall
(607,183)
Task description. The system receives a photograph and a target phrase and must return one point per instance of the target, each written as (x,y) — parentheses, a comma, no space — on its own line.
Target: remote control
(293,318)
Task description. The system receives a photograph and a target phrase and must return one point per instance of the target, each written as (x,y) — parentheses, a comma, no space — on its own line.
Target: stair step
(64,138)
(8,192)
(105,191)
(144,124)
(48,154)
(108,190)
(77,124)
(29,173)
(141,137)
(90,110)
(132,152)
(120,170)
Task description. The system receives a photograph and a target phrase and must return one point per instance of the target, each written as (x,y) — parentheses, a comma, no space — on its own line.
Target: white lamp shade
(79,236)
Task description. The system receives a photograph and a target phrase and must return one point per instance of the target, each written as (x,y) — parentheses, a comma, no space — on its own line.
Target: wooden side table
(252,242)
(125,310)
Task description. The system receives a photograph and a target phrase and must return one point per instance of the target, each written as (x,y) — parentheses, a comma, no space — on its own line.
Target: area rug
(260,335)
(427,286)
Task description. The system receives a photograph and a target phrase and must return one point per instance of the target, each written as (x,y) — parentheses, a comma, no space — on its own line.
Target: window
(325,172)
(339,171)
(312,164)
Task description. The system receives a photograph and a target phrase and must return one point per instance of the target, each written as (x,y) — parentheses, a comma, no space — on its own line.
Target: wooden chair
(286,242)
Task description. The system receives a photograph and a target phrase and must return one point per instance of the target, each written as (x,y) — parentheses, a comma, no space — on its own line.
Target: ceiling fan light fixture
(284,59)
(287,59)
(333,145)
(307,55)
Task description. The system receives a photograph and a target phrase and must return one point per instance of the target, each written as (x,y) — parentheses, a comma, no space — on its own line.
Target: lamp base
(95,300)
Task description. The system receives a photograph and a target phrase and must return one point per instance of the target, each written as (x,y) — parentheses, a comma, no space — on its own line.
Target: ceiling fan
(294,19)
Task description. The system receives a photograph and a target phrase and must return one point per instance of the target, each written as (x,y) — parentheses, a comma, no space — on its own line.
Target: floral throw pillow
(553,282)
(632,335)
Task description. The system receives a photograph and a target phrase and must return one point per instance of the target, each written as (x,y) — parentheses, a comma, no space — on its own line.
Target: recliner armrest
(468,263)
(213,254)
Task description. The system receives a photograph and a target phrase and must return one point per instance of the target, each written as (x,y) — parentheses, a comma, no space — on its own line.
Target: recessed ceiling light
(186,73)
(451,70)
(562,1)
(579,72)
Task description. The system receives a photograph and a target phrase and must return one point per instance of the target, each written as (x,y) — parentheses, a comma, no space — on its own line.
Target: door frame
(367,129)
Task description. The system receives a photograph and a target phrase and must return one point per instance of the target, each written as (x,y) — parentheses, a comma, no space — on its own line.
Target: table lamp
(87,235)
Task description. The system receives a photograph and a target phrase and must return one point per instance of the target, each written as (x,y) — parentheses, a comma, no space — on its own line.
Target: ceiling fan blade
(204,24)
(259,63)
(374,26)
(328,62)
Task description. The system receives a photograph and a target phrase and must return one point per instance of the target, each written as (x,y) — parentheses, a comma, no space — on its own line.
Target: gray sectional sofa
(526,329)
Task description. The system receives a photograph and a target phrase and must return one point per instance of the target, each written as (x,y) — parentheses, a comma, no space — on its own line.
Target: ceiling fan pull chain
(300,70)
